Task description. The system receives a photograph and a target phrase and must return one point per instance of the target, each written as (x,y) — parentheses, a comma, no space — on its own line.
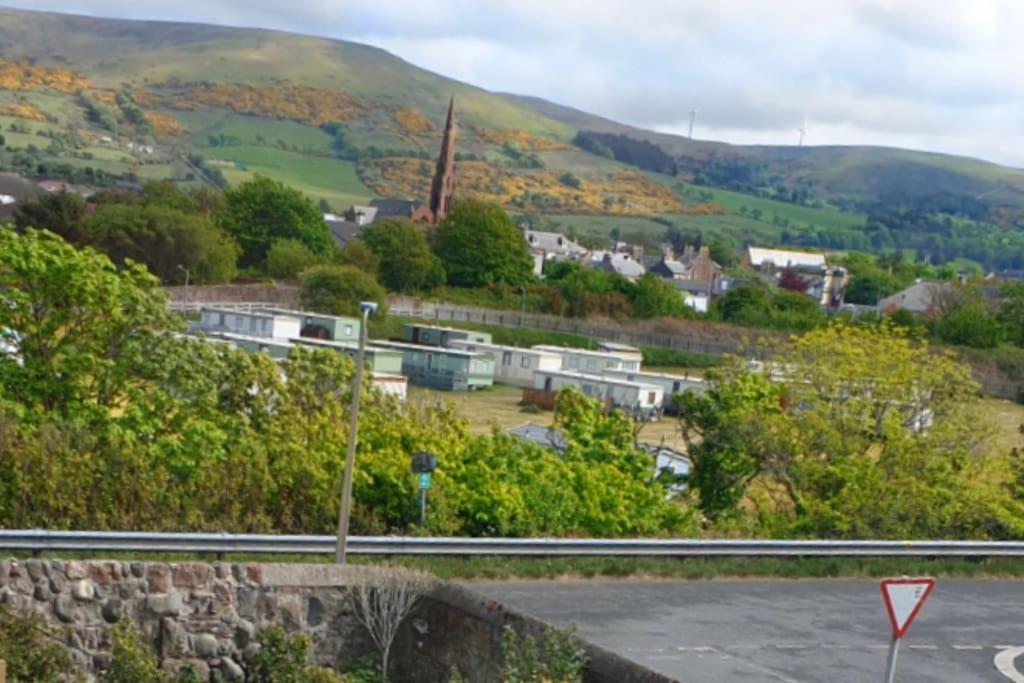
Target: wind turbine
(693,116)
(803,131)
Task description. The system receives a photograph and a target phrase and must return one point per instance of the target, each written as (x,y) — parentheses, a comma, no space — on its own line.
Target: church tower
(442,190)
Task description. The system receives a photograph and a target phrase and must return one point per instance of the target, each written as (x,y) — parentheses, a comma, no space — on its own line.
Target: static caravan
(278,349)
(440,368)
(433,335)
(513,365)
(634,396)
(251,323)
(320,326)
(670,384)
(378,360)
(627,352)
(592,362)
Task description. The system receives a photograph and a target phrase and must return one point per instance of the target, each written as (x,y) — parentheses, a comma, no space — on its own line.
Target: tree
(405,261)
(337,290)
(358,255)
(61,213)
(286,259)
(478,244)
(849,432)
(3,140)
(382,598)
(77,324)
(569,179)
(1011,312)
(790,281)
(652,297)
(971,324)
(261,211)
(869,287)
(167,240)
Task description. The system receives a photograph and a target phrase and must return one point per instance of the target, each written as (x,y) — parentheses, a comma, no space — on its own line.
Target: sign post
(423,465)
(903,601)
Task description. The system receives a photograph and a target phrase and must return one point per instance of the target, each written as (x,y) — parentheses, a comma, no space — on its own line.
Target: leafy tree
(78,325)
(405,261)
(654,298)
(286,259)
(61,213)
(478,244)
(358,255)
(339,289)
(1011,312)
(167,240)
(971,324)
(569,179)
(870,286)
(850,432)
(261,211)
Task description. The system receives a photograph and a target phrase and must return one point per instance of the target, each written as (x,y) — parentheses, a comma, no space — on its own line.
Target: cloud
(942,76)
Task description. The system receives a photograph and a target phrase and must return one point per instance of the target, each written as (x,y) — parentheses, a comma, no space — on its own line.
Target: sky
(940,75)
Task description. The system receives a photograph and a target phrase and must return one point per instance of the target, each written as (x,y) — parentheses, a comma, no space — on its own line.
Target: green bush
(31,649)
(287,258)
(337,290)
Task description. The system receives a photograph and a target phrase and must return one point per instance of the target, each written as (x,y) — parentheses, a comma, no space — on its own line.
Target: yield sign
(903,600)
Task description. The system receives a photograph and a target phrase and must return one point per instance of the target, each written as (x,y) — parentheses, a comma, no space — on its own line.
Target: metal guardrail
(110,541)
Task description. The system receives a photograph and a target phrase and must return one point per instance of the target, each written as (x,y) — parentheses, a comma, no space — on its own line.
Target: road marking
(1004,664)
(968,647)
(924,647)
(791,647)
(697,648)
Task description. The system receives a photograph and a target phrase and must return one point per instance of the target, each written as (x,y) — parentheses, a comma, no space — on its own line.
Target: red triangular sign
(903,600)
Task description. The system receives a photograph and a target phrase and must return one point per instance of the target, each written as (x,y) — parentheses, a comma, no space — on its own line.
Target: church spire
(442,190)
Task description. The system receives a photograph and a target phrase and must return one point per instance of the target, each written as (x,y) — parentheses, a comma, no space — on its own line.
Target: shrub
(337,290)
(287,258)
(30,649)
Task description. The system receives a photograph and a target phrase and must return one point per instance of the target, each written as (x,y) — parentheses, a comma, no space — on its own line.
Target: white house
(634,396)
(625,351)
(595,362)
(513,365)
(781,259)
(670,384)
(253,323)
(555,246)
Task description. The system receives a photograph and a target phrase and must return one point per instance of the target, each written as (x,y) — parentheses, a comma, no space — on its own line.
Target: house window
(571,362)
(547,384)
(506,358)
(650,398)
(588,389)
(348,330)
(591,364)
(525,362)
(675,387)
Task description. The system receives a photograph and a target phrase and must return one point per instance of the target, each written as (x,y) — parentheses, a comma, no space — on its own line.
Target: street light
(366,307)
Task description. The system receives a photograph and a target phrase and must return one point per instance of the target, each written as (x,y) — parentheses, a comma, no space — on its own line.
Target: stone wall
(209,616)
(280,294)
(201,614)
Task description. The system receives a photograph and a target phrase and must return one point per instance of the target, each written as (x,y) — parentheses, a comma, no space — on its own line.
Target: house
(621,264)
(322,326)
(360,215)
(554,246)
(513,365)
(435,335)
(638,398)
(278,349)
(596,362)
(393,208)
(669,462)
(624,351)
(670,384)
(343,231)
(441,368)
(695,293)
(920,297)
(772,260)
(253,323)
(692,265)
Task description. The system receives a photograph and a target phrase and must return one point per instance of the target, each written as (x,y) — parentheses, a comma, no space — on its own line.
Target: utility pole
(693,116)
(366,307)
(186,271)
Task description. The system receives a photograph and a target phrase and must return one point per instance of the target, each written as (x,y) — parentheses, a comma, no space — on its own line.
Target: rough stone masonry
(206,615)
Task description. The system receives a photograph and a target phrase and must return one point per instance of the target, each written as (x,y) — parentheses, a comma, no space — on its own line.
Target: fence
(38,541)
(700,338)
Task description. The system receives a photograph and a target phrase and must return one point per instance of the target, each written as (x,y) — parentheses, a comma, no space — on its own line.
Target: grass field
(318,177)
(498,407)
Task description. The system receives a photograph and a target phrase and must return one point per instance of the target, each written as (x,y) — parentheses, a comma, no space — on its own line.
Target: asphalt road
(832,631)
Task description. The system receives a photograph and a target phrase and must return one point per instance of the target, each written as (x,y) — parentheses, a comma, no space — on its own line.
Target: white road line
(968,647)
(1004,664)
(791,647)
(697,648)
(924,647)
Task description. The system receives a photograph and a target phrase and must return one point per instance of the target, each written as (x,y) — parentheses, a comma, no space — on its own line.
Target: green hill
(99,100)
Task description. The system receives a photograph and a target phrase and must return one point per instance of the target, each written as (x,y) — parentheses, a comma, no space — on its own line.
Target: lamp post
(423,464)
(186,271)
(366,307)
